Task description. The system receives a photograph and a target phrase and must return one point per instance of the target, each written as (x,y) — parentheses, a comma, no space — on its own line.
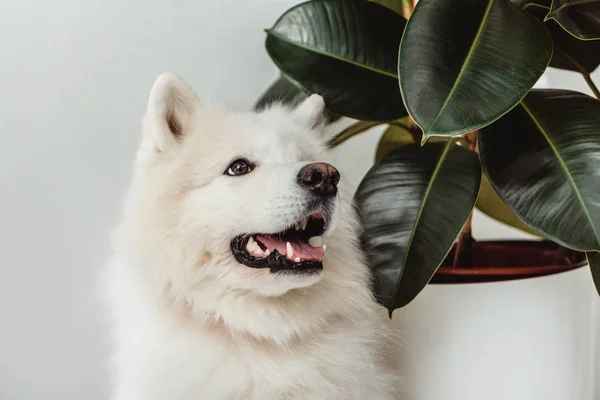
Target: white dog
(236,272)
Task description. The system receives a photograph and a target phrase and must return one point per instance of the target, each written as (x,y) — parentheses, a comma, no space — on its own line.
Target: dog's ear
(311,111)
(170,113)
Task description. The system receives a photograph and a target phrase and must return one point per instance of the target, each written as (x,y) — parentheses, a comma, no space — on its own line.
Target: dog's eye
(239,167)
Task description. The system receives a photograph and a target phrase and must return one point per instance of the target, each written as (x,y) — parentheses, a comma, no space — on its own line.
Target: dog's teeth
(267,252)
(290,251)
(258,250)
(251,245)
(297,259)
(324,247)
(304,223)
(316,241)
(297,226)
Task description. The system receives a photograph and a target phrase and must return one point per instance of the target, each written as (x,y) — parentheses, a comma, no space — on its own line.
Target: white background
(74,78)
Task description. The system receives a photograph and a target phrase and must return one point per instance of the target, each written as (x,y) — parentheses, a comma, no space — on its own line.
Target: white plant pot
(530,339)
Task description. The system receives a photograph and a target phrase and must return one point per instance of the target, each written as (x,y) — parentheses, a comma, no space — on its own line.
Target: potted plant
(452,81)
(465,129)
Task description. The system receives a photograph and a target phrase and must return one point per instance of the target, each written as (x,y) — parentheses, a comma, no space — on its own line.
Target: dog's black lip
(276,262)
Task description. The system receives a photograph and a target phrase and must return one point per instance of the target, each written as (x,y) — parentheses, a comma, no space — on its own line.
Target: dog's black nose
(321,178)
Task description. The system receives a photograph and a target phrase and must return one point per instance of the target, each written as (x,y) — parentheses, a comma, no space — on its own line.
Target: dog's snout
(321,178)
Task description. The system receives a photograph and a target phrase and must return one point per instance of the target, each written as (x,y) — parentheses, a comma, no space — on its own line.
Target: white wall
(74,77)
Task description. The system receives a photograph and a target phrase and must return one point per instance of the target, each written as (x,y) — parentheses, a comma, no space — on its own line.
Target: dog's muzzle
(300,248)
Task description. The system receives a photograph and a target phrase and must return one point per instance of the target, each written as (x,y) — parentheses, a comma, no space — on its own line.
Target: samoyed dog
(236,271)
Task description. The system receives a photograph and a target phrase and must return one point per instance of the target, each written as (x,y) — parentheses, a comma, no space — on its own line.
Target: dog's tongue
(300,249)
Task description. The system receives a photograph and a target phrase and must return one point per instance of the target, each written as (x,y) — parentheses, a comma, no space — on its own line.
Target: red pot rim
(535,256)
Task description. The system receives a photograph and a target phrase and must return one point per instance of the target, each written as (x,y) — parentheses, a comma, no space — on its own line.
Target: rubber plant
(452,80)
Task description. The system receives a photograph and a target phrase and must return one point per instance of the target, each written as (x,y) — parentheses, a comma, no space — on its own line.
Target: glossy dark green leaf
(581,18)
(413,204)
(493,206)
(465,63)
(543,159)
(594,261)
(346,51)
(285,91)
(570,53)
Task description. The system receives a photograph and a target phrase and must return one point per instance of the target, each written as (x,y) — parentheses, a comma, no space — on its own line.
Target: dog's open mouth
(298,249)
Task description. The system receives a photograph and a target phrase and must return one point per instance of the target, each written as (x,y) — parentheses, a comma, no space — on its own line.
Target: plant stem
(586,75)
(591,84)
(463,253)
(352,130)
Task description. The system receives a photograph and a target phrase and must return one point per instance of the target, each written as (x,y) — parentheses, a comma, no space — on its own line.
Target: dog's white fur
(190,322)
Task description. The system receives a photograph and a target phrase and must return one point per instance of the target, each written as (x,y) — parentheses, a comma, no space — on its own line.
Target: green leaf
(282,90)
(581,18)
(285,91)
(413,204)
(594,261)
(465,63)
(570,53)
(393,137)
(543,159)
(346,51)
(493,206)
